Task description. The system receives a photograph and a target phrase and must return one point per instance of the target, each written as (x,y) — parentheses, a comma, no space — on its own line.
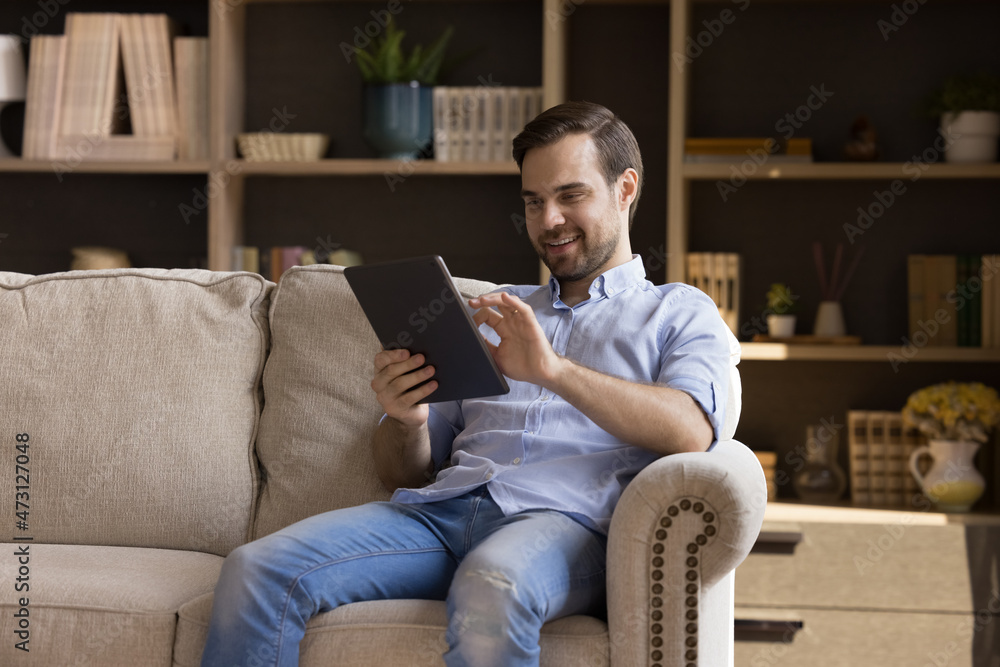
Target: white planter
(781,326)
(971,136)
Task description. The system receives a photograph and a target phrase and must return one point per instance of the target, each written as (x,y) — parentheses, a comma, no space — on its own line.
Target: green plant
(385,62)
(780,299)
(979,92)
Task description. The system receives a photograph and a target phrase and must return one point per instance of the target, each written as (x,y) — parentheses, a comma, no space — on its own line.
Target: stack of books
(768,463)
(954,300)
(879,450)
(477,124)
(717,274)
(117,87)
(273,262)
(737,149)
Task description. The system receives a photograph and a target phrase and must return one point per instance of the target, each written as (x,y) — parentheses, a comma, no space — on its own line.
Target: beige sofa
(172,415)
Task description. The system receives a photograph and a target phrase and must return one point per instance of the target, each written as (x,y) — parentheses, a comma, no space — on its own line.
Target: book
(478,124)
(718,275)
(857,459)
(43,96)
(93,77)
(441,119)
(191,74)
(879,450)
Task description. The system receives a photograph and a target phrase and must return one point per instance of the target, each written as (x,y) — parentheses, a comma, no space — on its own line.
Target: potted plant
(397,104)
(780,310)
(956,417)
(969,109)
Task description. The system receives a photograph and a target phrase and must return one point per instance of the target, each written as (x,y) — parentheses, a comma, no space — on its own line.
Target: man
(607,372)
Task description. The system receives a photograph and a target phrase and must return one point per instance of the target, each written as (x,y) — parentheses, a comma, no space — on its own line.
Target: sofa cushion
(320,412)
(395,632)
(108,606)
(139,391)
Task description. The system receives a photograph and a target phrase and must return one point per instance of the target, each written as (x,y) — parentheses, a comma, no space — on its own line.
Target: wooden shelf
(792,512)
(876,353)
(350,167)
(100,167)
(843,171)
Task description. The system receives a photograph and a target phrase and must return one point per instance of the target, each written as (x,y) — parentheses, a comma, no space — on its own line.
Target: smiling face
(577,223)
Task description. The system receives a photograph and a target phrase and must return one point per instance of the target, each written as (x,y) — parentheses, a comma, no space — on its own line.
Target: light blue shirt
(536,451)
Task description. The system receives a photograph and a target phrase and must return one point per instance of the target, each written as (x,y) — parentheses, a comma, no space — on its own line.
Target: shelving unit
(618,52)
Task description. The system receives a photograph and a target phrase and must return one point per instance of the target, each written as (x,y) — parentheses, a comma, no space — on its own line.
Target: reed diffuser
(830,314)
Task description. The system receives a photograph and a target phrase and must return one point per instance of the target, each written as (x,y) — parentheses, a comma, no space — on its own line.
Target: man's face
(574,219)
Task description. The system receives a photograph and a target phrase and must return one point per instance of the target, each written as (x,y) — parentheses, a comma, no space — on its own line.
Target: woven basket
(285,147)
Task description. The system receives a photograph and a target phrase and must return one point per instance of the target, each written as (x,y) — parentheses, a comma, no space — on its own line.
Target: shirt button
(545,398)
(489,475)
(516,461)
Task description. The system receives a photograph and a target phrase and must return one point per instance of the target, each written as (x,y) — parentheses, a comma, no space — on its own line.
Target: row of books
(273,262)
(478,124)
(954,300)
(717,274)
(879,449)
(117,87)
(737,149)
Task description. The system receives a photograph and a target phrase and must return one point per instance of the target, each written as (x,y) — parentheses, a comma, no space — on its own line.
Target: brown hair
(616,145)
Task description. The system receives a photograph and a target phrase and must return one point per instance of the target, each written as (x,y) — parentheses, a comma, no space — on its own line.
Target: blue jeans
(502,578)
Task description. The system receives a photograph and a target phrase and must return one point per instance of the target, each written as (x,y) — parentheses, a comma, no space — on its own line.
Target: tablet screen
(414,304)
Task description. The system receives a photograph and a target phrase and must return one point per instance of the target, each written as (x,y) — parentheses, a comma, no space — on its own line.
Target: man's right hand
(396,377)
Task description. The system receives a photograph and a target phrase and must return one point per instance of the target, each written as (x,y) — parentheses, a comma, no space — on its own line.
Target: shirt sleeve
(695,353)
(444,422)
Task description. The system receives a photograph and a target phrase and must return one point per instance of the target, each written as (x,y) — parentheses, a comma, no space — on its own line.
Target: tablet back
(414,304)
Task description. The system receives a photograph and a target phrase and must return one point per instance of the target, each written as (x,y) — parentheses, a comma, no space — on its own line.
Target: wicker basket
(285,147)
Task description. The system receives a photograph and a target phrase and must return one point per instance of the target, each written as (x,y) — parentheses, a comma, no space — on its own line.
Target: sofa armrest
(678,533)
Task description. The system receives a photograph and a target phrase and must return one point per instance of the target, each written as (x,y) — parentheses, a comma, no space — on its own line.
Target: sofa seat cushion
(140,392)
(395,632)
(92,605)
(320,412)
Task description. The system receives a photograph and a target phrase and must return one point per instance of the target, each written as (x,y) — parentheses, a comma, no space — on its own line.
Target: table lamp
(12,78)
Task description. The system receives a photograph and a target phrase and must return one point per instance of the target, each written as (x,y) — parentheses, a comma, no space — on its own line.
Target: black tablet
(414,304)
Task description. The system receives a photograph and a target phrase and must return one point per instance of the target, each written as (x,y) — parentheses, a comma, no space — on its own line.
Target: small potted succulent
(397,102)
(780,310)
(969,109)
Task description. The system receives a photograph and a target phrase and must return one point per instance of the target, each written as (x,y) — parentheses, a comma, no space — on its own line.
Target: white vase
(829,319)
(952,483)
(780,326)
(971,136)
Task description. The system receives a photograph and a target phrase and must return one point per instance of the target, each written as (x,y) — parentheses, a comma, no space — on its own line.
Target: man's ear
(628,186)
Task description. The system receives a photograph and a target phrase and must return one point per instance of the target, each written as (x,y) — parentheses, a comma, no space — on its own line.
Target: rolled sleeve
(696,352)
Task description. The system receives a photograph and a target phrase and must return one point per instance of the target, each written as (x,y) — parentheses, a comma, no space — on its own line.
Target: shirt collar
(612,281)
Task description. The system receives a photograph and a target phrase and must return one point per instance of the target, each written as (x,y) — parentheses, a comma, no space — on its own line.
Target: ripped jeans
(502,578)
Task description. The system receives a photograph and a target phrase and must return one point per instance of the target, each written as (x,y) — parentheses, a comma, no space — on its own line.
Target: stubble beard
(588,260)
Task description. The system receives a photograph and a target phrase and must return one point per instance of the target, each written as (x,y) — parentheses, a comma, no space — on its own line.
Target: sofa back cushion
(138,390)
(320,412)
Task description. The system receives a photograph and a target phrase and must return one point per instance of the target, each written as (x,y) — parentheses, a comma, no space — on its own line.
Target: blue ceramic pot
(397,120)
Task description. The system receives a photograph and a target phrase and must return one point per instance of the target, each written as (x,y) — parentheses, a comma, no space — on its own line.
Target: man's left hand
(524,353)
